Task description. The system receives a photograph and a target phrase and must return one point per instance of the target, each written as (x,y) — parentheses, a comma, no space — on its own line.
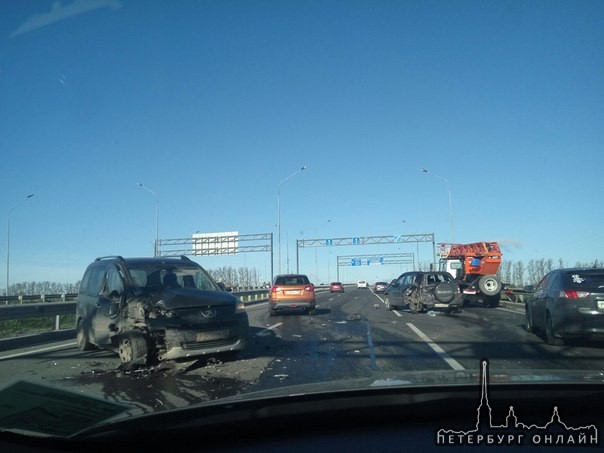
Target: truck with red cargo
(475,266)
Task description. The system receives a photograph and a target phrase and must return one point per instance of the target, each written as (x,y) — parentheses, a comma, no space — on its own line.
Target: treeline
(230,276)
(519,274)
(516,273)
(242,277)
(38,288)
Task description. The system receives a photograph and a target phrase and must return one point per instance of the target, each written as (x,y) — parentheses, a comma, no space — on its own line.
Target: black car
(154,309)
(566,304)
(423,291)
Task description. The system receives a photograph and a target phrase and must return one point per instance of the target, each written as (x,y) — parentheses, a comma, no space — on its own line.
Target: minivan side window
(92,282)
(115,283)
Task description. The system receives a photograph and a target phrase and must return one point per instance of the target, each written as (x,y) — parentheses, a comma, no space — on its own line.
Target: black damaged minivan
(157,309)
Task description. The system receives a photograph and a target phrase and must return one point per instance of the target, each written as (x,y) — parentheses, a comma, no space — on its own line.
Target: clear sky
(210,104)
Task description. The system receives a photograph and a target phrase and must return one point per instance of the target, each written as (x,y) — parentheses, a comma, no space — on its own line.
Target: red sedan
(336,287)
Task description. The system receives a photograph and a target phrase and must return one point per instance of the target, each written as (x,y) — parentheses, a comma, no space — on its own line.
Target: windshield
(154,277)
(292,280)
(223,133)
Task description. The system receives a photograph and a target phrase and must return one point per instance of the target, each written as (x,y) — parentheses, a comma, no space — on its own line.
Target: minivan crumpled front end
(186,323)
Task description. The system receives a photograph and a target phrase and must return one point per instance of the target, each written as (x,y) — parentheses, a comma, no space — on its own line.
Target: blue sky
(212,104)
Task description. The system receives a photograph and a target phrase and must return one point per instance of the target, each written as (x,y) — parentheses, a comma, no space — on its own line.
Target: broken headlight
(239,307)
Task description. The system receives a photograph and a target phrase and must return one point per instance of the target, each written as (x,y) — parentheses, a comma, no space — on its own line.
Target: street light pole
(423,170)
(417,247)
(155,248)
(8,239)
(279,214)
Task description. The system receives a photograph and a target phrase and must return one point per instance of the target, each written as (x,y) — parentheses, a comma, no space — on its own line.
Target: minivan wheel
(132,347)
(549,333)
(83,337)
(529,326)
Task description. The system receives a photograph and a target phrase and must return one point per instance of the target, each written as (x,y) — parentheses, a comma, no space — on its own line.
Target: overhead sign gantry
(206,244)
(364,240)
(374,259)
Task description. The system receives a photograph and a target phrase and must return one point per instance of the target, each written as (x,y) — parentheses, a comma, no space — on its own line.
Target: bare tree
(518,273)
(533,272)
(505,271)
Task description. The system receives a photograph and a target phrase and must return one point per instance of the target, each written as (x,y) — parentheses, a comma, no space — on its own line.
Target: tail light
(309,288)
(573,294)
(275,289)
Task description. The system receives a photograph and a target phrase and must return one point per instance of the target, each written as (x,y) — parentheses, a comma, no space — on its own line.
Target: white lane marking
(36,351)
(371,348)
(396,312)
(436,348)
(518,312)
(265,331)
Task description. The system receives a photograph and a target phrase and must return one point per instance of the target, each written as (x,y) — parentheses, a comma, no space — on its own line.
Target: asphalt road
(352,335)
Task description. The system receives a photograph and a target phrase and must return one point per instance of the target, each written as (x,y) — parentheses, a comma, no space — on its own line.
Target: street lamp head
(303,168)
(423,170)
(30,195)
(139,184)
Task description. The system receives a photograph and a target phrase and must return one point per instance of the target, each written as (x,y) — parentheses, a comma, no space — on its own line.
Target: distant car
(380,287)
(424,291)
(155,309)
(291,292)
(336,287)
(567,303)
(362,284)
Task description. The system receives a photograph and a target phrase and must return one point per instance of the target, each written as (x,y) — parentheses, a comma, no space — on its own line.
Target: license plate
(212,336)
(292,292)
(601,305)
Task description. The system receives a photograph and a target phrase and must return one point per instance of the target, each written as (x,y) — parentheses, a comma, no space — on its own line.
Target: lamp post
(279,213)
(8,239)
(423,170)
(155,250)
(417,247)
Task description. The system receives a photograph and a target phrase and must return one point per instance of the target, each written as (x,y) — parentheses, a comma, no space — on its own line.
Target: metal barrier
(56,305)
(11,300)
(25,307)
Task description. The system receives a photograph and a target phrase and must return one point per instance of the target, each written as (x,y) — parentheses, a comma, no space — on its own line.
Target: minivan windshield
(152,278)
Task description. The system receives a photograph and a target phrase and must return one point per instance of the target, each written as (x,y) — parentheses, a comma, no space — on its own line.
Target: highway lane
(351,336)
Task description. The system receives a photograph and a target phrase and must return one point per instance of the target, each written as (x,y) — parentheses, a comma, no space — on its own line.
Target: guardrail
(26,308)
(10,300)
(516,295)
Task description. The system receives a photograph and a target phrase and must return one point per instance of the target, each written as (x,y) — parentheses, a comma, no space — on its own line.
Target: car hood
(191,297)
(127,418)
(430,379)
